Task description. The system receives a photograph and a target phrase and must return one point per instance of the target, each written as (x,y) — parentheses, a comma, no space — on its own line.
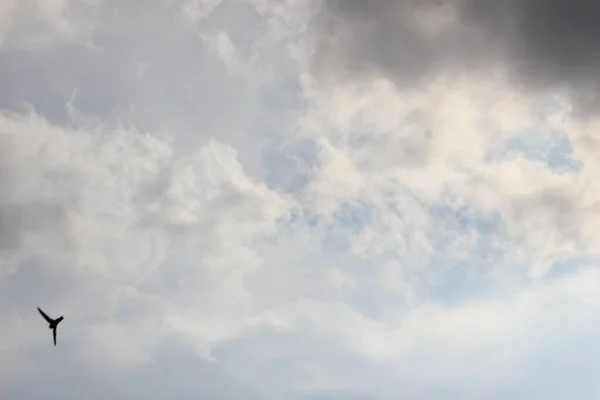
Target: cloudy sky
(288,199)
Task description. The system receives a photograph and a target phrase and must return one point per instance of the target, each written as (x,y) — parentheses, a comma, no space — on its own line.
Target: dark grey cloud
(544,44)
(547,43)
(359,37)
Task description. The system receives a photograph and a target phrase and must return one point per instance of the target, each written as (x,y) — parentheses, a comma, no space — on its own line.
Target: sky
(304,200)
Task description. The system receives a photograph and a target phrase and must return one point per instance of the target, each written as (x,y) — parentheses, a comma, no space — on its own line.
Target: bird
(53,323)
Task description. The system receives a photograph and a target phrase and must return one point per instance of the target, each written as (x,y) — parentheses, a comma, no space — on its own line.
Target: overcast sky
(300,199)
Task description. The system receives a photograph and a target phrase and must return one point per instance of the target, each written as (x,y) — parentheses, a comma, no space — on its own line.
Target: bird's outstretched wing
(47,318)
(54,335)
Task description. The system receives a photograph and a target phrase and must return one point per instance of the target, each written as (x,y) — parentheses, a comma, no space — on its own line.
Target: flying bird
(53,323)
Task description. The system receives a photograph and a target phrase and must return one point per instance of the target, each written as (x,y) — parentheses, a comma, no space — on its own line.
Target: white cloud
(116,205)
(306,237)
(448,129)
(7,10)
(195,10)
(39,25)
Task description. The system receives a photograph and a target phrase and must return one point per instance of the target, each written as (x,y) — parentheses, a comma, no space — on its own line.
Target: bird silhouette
(53,323)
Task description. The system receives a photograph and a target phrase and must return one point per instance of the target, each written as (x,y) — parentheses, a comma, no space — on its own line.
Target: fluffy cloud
(214,216)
